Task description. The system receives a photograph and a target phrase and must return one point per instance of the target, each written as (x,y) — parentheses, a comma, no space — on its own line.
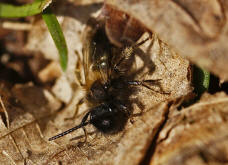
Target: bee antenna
(68,131)
(141,43)
(82,124)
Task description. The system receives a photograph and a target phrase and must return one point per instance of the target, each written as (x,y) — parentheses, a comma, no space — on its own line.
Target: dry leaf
(23,141)
(195,135)
(121,28)
(195,29)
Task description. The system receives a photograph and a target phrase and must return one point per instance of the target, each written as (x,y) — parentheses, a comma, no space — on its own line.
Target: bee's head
(109,117)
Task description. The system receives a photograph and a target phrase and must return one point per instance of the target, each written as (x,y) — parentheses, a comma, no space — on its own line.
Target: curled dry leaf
(195,135)
(121,28)
(152,60)
(195,29)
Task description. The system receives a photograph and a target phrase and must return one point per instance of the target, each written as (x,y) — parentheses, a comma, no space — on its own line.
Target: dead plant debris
(38,104)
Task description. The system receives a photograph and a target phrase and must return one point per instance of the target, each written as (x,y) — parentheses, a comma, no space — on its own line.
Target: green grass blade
(201,80)
(206,81)
(57,35)
(12,11)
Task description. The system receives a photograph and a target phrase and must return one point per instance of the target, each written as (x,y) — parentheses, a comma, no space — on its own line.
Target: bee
(108,86)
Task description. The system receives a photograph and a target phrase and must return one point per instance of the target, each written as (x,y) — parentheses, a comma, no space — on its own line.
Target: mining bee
(107,84)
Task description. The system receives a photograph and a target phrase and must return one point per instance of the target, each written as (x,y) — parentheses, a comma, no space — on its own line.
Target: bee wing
(88,50)
(95,57)
(104,67)
(86,63)
(95,67)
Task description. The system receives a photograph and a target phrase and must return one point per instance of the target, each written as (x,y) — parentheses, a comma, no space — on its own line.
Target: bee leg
(126,53)
(155,82)
(81,101)
(78,69)
(86,135)
(125,57)
(142,42)
(144,84)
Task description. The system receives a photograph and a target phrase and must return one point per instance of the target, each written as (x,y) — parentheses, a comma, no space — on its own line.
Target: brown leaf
(195,29)
(195,135)
(28,108)
(120,28)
